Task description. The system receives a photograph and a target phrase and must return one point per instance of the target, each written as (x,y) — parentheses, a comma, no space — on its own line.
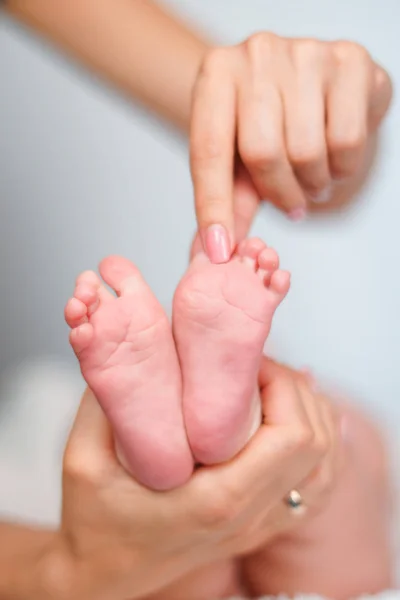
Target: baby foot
(127,356)
(222,317)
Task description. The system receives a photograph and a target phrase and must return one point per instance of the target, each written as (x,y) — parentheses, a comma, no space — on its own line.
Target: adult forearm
(135,44)
(30,568)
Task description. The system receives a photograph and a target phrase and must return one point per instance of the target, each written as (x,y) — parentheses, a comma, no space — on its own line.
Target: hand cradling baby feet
(189,395)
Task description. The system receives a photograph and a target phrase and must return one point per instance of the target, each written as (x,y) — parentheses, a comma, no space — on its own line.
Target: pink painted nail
(298,214)
(217,244)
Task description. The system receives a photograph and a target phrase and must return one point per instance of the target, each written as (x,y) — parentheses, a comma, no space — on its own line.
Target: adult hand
(328,420)
(279,119)
(118,539)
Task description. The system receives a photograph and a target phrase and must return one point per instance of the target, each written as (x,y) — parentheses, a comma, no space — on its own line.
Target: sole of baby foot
(222,316)
(127,356)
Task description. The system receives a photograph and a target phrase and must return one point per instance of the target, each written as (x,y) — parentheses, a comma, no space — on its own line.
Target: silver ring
(295,501)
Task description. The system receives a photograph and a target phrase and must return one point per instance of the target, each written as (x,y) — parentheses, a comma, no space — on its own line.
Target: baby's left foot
(222,317)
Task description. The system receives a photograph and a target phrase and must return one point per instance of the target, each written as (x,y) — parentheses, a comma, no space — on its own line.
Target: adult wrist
(39,567)
(62,573)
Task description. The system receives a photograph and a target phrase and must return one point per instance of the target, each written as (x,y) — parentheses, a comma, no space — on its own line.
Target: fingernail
(298,214)
(323,197)
(217,244)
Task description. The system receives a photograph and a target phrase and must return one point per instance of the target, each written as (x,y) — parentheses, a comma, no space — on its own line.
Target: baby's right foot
(222,317)
(128,358)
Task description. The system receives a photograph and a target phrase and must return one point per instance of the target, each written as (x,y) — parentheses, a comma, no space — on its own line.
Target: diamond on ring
(295,501)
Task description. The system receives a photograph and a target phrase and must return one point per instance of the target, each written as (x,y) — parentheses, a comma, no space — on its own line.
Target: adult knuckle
(260,43)
(346,50)
(305,155)
(216,61)
(261,157)
(71,462)
(308,51)
(381,79)
(78,470)
(348,141)
(217,509)
(302,439)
